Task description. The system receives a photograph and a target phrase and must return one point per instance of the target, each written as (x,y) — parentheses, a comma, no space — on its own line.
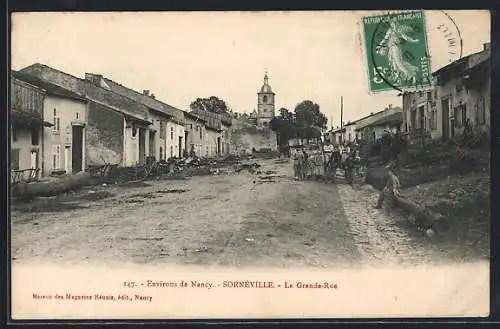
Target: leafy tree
(309,114)
(211,104)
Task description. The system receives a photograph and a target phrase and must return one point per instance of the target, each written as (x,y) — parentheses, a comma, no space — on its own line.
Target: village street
(230,220)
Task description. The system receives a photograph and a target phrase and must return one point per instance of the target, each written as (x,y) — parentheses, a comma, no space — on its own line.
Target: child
(392,187)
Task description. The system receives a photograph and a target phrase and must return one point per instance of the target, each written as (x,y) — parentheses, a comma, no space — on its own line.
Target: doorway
(218,145)
(142,145)
(180,147)
(445,111)
(67,163)
(34,159)
(152,146)
(77,149)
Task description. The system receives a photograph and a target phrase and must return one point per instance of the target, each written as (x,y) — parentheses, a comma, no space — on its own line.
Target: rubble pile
(171,169)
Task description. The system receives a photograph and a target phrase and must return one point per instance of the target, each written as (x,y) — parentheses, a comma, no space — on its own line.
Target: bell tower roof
(266,88)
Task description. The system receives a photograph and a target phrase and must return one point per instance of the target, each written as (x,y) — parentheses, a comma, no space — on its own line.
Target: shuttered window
(14,159)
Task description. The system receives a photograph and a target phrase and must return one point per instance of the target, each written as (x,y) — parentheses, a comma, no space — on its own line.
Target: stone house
(115,125)
(368,132)
(165,137)
(64,151)
(349,132)
(195,134)
(214,128)
(226,126)
(462,92)
(27,138)
(385,124)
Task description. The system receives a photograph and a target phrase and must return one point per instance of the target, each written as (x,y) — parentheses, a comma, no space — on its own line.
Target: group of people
(319,164)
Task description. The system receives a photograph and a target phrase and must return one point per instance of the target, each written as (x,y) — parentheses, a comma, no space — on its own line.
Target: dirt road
(235,220)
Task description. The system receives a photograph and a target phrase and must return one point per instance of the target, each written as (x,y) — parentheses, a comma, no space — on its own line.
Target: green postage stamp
(397,52)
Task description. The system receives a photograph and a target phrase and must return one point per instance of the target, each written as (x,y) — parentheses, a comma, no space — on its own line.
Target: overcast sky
(181,56)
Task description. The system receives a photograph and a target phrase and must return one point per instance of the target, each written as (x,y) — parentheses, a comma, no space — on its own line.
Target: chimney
(486,46)
(145,92)
(94,78)
(153,96)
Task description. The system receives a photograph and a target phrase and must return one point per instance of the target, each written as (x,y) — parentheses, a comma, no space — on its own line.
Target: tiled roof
(212,120)
(118,102)
(49,88)
(70,83)
(148,101)
(393,119)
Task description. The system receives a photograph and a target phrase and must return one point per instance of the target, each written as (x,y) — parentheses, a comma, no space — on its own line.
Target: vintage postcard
(232,165)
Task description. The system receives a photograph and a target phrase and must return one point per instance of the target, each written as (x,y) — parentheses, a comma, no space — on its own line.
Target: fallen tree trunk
(422,216)
(52,188)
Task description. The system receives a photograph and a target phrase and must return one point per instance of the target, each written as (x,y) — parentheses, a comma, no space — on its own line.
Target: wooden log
(52,188)
(421,215)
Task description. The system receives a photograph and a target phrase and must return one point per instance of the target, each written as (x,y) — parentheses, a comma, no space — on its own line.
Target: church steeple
(265,103)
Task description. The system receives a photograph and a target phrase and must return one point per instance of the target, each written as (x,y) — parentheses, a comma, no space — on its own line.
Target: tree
(283,126)
(308,113)
(309,120)
(212,104)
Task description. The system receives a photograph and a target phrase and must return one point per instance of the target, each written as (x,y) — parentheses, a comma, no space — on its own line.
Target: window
(429,96)
(14,134)
(459,85)
(162,129)
(481,111)
(57,122)
(56,157)
(460,113)
(77,115)
(14,159)
(264,99)
(191,126)
(35,135)
(171,132)
(434,119)
(161,153)
(464,114)
(201,133)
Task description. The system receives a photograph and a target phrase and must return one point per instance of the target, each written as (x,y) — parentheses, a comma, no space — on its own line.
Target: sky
(180,56)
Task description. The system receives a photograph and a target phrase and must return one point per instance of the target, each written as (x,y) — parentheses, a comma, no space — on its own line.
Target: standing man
(392,187)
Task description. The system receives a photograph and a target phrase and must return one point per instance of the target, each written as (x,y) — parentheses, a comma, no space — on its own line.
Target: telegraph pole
(341,112)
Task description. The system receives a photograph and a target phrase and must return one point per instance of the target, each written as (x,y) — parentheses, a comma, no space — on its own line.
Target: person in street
(392,187)
(304,165)
(333,164)
(296,163)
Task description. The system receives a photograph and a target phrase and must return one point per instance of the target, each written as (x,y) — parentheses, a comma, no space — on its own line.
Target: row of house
(461,94)
(64,124)
(369,128)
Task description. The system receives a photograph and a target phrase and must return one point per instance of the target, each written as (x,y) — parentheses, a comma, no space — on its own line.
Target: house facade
(64,151)
(461,93)
(195,134)
(378,128)
(114,125)
(170,119)
(27,130)
(214,128)
(368,132)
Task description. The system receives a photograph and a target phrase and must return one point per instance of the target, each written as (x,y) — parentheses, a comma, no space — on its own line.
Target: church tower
(265,104)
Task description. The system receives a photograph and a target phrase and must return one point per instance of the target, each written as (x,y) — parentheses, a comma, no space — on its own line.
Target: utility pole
(341,112)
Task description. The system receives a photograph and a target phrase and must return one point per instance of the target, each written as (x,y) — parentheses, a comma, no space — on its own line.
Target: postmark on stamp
(397,52)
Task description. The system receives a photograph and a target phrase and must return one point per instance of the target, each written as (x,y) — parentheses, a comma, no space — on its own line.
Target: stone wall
(245,136)
(104,136)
